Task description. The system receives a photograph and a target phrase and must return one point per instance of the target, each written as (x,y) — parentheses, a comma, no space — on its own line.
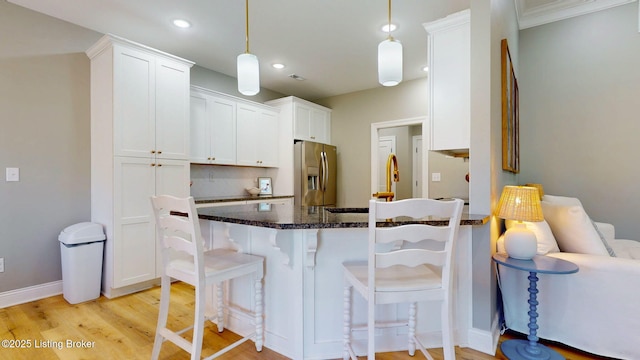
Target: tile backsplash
(216,180)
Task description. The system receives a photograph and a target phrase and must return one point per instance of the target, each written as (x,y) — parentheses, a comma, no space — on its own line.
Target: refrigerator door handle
(324,169)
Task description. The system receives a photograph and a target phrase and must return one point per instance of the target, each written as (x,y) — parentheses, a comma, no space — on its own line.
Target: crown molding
(538,12)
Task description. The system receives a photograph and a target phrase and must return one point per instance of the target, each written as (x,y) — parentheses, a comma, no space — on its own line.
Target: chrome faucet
(388,195)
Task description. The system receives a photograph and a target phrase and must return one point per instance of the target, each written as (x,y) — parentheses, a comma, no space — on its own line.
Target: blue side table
(531,350)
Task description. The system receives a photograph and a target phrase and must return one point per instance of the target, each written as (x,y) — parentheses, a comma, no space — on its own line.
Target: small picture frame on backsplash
(264,183)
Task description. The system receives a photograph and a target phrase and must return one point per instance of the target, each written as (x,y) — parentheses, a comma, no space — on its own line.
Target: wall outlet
(435,176)
(1,265)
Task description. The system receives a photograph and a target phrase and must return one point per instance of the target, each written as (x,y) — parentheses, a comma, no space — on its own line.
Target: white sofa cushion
(544,236)
(603,238)
(562,200)
(629,249)
(573,228)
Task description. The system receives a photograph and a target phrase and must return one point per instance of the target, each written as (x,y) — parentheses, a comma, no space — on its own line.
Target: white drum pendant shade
(390,62)
(248,74)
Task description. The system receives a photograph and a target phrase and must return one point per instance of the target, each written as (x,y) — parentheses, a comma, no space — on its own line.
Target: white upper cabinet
(150,105)
(213,128)
(227,130)
(172,109)
(311,122)
(449,81)
(257,141)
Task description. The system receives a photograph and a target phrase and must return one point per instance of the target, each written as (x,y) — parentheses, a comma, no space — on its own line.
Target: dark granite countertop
(290,217)
(232,198)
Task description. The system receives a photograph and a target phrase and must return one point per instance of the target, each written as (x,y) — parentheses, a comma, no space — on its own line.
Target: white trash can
(81,247)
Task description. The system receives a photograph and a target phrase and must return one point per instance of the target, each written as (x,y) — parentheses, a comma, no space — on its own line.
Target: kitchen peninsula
(304,248)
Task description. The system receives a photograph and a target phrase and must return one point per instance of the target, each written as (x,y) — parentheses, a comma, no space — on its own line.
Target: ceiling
(330,43)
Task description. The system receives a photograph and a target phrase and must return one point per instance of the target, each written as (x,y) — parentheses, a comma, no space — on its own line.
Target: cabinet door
(200,141)
(248,135)
(267,138)
(223,131)
(301,122)
(320,126)
(172,178)
(257,136)
(172,110)
(133,103)
(134,243)
(449,82)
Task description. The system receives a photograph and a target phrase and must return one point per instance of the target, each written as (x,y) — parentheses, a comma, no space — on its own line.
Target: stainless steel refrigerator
(315,173)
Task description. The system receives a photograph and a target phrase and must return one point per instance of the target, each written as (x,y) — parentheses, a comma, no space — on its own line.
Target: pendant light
(248,66)
(390,59)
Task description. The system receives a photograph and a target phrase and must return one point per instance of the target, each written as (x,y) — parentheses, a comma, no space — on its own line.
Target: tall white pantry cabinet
(139,148)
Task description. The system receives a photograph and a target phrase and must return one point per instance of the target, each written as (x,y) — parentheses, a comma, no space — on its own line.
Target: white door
(417,166)
(386,146)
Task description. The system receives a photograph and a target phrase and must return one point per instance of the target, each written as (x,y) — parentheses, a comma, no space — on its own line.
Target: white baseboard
(485,341)
(31,293)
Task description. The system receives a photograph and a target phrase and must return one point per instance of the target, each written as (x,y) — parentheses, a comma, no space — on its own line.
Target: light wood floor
(124,328)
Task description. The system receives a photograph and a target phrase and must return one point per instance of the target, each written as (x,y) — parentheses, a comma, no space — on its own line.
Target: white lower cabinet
(135,258)
(257,140)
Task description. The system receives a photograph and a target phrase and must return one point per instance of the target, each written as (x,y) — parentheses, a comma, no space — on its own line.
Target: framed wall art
(510,114)
(264,183)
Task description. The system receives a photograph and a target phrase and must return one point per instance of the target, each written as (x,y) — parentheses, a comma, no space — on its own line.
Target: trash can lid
(80,233)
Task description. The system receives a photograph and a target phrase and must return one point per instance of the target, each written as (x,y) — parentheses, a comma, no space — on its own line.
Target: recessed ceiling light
(181,23)
(389,28)
(278,66)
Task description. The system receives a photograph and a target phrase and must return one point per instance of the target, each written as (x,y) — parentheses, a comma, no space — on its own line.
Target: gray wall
(579,88)
(491,21)
(44,122)
(227,84)
(351,121)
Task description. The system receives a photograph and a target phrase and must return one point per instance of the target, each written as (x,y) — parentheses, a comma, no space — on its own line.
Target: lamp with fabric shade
(539,187)
(520,203)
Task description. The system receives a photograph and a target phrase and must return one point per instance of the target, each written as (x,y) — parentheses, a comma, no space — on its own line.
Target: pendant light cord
(389,29)
(247,25)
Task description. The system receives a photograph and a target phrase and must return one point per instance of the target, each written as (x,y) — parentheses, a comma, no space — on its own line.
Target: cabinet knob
(153,151)
(213,158)
(153,164)
(313,138)
(159,165)
(208,158)
(159,152)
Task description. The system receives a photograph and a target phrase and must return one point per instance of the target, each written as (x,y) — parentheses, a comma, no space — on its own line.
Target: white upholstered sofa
(596,309)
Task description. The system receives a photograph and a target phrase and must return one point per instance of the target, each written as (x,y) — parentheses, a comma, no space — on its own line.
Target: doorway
(381,129)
